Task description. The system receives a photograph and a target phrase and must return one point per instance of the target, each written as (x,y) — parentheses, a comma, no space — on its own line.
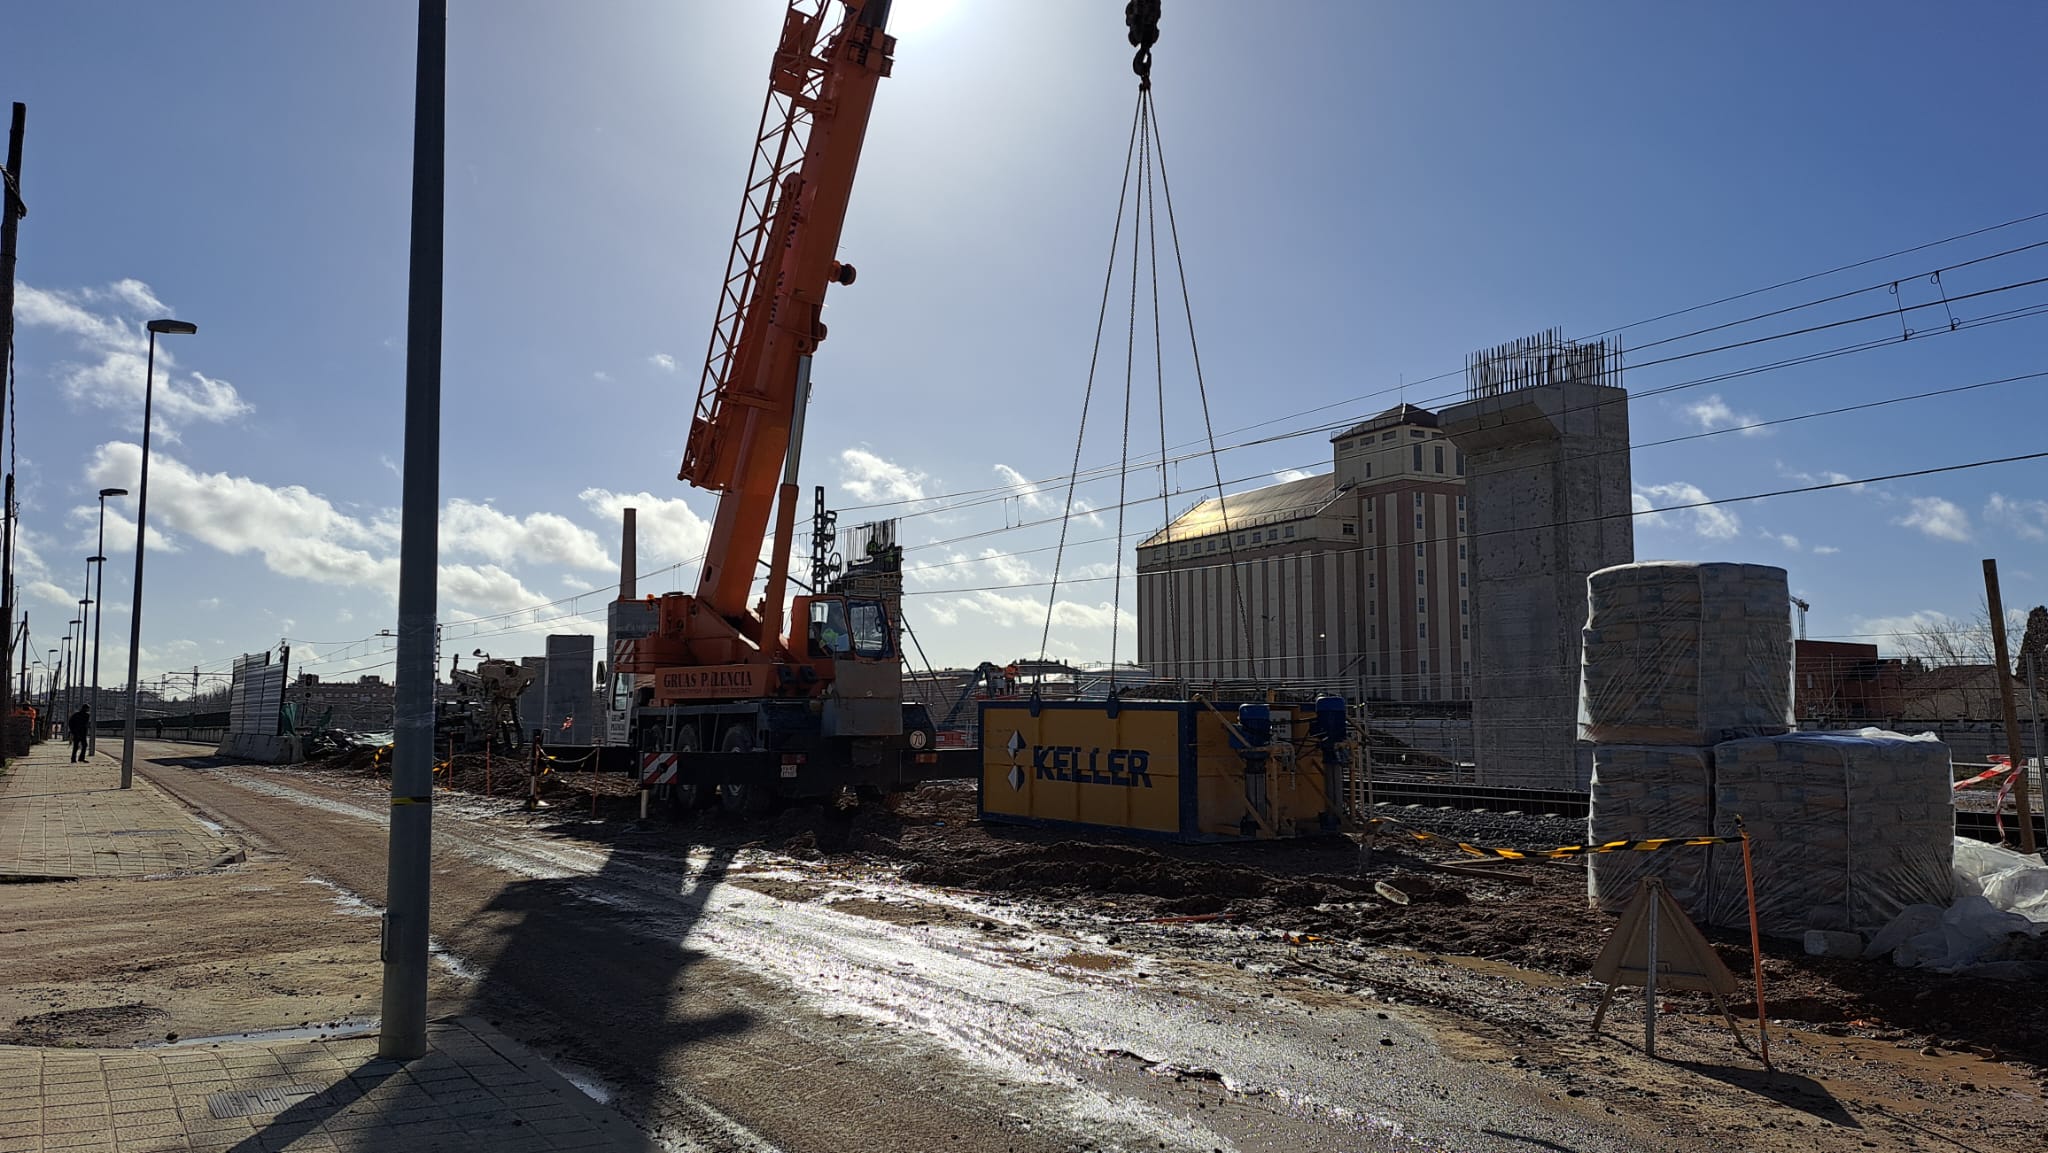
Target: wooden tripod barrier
(1656,943)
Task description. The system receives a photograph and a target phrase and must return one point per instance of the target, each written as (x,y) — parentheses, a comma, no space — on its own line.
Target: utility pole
(2034,711)
(2012,722)
(408,874)
(11,212)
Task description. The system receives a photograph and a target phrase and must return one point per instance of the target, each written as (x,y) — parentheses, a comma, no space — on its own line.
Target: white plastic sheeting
(1644,791)
(1846,829)
(1996,925)
(1684,653)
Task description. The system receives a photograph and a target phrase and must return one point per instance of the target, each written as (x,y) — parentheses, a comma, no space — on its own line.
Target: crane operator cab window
(851,628)
(828,628)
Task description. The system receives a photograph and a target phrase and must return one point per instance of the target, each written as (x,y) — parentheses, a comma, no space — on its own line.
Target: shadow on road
(1787,1089)
(605,960)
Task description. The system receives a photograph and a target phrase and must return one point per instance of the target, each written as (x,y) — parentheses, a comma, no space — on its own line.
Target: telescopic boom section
(769,317)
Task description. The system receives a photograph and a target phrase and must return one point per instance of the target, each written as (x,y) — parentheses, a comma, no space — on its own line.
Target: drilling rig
(720,695)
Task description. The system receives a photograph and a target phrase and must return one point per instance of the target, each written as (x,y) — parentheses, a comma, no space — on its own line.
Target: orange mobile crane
(711,691)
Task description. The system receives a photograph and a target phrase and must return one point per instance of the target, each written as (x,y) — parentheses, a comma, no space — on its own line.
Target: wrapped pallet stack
(1678,656)
(1846,829)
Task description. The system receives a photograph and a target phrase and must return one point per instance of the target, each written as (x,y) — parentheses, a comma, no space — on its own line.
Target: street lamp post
(84,619)
(70,664)
(100,594)
(168,328)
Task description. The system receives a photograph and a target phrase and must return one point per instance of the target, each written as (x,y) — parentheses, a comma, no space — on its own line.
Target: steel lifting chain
(1142,18)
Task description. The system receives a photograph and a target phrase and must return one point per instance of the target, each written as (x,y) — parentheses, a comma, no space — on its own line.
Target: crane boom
(783,259)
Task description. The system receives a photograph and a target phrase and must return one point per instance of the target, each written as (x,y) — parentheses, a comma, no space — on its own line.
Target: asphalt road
(733,999)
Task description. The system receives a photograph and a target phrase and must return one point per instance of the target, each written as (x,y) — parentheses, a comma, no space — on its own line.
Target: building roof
(1288,500)
(1400,414)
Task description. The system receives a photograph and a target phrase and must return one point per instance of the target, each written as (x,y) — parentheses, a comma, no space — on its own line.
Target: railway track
(1572,803)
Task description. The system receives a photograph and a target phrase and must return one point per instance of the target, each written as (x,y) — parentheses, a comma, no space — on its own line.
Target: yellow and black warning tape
(555,760)
(1561,852)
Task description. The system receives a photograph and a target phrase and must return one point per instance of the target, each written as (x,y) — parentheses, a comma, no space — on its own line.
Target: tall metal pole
(2012,721)
(135,594)
(2034,711)
(11,212)
(403,1035)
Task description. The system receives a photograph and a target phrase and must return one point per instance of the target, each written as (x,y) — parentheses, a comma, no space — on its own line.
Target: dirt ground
(255,946)
(1900,1059)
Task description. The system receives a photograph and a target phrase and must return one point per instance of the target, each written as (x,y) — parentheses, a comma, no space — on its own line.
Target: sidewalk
(60,820)
(474,1090)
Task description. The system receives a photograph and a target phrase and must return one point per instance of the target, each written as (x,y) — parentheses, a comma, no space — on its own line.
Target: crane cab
(864,676)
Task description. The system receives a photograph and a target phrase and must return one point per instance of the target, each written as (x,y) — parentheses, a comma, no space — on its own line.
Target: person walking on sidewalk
(81,724)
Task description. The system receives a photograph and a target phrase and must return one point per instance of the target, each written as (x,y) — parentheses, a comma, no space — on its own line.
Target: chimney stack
(629,563)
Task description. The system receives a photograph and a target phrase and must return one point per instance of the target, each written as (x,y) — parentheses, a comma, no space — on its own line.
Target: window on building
(1372,579)
(1465,632)
(1418,520)
(1240,540)
(1461,524)
(1344,446)
(1461,552)
(1372,608)
(1183,550)
(1375,668)
(1461,580)
(1418,548)
(1350,529)
(1387,436)
(1212,544)
(1368,528)
(1368,470)
(1372,632)
(1290,530)
(1418,500)
(1422,667)
(1422,630)
(1257,537)
(1439,450)
(1421,577)
(1418,457)
(1416,433)
(1461,504)
(1464,608)
(1422,604)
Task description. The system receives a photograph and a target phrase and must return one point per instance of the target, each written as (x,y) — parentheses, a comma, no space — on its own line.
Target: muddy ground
(1868,1056)
(1319,892)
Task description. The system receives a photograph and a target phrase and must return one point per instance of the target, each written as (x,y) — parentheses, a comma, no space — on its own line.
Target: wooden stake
(2012,720)
(487,766)
(1756,950)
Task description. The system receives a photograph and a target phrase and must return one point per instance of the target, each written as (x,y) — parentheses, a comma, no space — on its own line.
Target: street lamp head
(173,327)
(95,560)
(107,492)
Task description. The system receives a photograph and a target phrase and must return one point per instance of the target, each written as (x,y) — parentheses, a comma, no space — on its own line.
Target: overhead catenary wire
(1011,491)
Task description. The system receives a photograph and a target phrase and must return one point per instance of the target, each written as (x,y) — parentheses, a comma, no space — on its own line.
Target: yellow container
(1168,769)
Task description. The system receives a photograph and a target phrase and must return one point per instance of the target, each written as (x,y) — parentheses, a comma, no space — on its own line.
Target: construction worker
(81,725)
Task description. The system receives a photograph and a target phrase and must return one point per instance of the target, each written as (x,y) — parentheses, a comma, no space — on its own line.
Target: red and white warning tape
(1988,774)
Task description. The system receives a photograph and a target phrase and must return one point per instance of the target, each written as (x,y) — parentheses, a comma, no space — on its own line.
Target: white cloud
(485,587)
(1713,522)
(2027,518)
(1825,476)
(1825,550)
(1938,518)
(297,532)
(541,537)
(1785,539)
(601,376)
(872,478)
(1714,413)
(669,530)
(663,361)
(107,327)
(1024,491)
(1290,474)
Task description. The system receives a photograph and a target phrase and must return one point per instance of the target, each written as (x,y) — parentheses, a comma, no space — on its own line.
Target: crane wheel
(686,797)
(747,801)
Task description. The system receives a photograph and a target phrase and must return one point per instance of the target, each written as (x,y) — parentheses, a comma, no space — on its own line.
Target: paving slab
(483,1091)
(61,820)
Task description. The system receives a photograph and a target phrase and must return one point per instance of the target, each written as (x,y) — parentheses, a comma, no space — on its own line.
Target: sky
(1363,194)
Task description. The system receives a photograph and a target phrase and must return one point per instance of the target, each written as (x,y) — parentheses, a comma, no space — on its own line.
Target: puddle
(450,961)
(326,1031)
(348,902)
(587,1081)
